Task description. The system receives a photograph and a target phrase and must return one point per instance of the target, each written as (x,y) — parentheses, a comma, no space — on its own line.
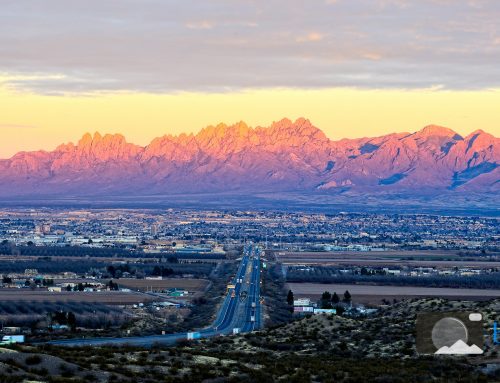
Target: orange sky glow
(31,121)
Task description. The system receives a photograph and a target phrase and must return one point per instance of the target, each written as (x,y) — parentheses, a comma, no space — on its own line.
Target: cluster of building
(206,231)
(305,306)
(68,281)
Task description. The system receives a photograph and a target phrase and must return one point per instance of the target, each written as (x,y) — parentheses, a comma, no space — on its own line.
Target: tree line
(7,248)
(327,301)
(481,281)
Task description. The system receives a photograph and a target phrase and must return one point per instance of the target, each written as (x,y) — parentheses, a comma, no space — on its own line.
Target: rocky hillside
(322,348)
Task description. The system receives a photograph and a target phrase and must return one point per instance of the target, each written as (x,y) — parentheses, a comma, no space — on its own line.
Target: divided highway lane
(248,316)
(252,316)
(227,318)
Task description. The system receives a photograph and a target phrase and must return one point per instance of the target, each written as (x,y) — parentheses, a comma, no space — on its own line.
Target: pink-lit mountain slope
(287,156)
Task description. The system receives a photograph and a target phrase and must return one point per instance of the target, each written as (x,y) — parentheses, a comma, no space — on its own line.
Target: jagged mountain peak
(221,130)
(301,126)
(97,137)
(294,134)
(287,155)
(480,133)
(437,131)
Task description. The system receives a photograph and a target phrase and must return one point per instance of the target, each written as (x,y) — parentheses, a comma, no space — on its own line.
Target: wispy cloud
(105,45)
(372,56)
(16,126)
(204,24)
(312,36)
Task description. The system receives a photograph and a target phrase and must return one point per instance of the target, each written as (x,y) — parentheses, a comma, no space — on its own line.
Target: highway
(241,309)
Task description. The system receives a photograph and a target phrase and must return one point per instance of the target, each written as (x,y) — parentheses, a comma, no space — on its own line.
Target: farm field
(438,258)
(392,262)
(373,294)
(194,285)
(34,313)
(106,297)
(190,284)
(109,260)
(370,254)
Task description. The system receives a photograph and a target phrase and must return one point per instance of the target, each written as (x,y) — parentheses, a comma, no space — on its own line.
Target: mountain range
(284,157)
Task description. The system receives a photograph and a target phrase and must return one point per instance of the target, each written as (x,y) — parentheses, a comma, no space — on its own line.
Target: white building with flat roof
(302,302)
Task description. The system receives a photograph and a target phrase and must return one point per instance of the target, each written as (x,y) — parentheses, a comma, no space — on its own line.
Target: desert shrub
(32,360)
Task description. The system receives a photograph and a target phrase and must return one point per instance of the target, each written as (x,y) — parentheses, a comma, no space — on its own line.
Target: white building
(302,302)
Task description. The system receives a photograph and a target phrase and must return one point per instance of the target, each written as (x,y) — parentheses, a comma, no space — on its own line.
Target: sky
(153,67)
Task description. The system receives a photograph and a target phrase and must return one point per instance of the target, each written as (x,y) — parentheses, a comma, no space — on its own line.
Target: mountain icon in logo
(450,333)
(459,348)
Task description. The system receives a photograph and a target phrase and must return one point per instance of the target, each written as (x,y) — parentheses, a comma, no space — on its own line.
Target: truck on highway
(253,305)
(11,339)
(252,318)
(193,335)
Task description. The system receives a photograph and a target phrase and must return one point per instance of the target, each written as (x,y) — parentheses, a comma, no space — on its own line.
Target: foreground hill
(287,156)
(379,348)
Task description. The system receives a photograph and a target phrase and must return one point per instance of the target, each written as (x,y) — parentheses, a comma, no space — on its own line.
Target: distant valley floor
(448,203)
